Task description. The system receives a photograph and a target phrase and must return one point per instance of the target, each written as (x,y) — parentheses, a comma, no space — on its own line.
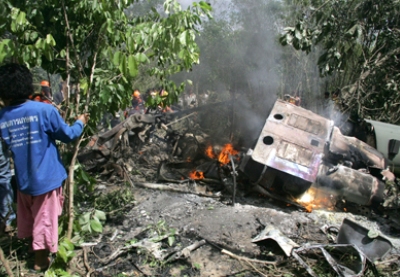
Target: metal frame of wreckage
(298,149)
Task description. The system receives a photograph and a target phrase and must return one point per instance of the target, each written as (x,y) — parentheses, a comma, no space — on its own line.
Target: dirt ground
(136,244)
(227,231)
(170,233)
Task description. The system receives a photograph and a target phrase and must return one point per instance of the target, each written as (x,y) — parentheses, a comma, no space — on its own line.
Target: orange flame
(315,199)
(223,157)
(196,175)
(210,152)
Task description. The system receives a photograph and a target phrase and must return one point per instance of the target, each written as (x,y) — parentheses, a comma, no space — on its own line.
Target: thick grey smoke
(241,58)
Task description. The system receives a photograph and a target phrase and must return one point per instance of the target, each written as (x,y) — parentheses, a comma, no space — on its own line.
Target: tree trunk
(70,184)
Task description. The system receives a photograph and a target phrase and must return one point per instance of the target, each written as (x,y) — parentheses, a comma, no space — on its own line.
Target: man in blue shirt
(30,130)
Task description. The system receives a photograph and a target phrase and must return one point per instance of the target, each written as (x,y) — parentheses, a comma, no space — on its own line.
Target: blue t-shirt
(30,130)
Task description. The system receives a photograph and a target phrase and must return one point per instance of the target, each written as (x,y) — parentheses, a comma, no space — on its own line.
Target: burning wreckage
(303,156)
(300,157)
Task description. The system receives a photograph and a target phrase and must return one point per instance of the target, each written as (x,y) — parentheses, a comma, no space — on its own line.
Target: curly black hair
(16,82)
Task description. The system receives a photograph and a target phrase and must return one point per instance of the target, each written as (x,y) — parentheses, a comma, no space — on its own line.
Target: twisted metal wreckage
(297,151)
(300,157)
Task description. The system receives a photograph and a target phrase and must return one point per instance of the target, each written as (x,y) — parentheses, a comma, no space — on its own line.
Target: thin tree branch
(71,38)
(4,261)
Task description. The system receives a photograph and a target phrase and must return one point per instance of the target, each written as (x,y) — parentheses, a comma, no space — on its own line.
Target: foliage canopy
(360,43)
(100,45)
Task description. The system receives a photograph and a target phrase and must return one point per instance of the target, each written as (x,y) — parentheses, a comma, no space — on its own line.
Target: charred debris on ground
(301,165)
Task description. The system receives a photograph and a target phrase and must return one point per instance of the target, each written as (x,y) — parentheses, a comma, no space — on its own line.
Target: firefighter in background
(166,109)
(295,100)
(153,93)
(137,104)
(44,95)
(191,99)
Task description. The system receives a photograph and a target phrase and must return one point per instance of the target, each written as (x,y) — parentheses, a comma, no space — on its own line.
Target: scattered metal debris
(374,246)
(355,268)
(299,158)
(271,232)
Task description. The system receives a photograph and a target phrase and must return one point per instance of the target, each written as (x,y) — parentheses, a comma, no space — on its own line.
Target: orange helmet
(136,93)
(45,83)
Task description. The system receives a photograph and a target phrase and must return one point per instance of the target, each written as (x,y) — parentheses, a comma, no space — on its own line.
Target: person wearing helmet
(137,104)
(136,93)
(44,95)
(46,90)
(137,101)
(164,94)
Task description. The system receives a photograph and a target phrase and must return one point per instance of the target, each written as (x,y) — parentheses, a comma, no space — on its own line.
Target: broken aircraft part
(351,185)
(298,149)
(345,259)
(285,243)
(385,140)
(374,247)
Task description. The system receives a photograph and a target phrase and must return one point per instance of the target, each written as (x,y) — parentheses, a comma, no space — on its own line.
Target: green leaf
(117,58)
(62,253)
(39,43)
(130,43)
(141,57)
(13,26)
(14,13)
(100,215)
(123,66)
(109,26)
(21,20)
(84,175)
(133,67)
(83,219)
(297,34)
(96,226)
(48,53)
(171,240)
(67,244)
(33,36)
(86,227)
(50,40)
(182,38)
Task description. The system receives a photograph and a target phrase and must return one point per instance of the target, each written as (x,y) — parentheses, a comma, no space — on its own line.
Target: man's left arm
(62,131)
